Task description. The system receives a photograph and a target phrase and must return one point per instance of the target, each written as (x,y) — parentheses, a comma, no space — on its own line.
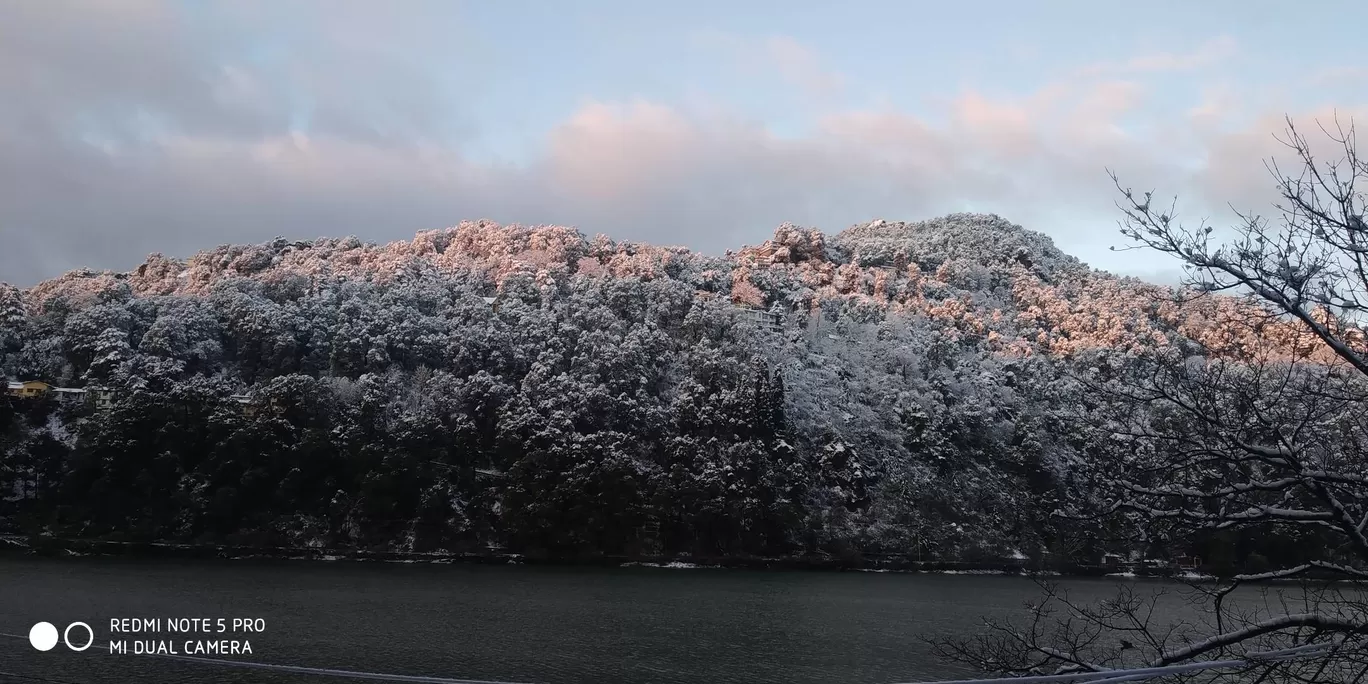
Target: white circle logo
(66,636)
(43,636)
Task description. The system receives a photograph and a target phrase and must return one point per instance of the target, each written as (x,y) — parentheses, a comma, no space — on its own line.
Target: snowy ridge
(987,239)
(464,389)
(973,274)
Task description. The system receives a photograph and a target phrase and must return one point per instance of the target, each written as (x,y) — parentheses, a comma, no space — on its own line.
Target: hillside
(941,268)
(538,390)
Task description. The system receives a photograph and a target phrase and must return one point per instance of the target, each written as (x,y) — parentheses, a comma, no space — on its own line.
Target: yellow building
(29,389)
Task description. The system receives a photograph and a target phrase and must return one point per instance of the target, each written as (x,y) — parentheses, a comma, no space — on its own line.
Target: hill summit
(987,239)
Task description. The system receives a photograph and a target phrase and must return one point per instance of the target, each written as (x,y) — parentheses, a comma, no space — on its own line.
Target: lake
(554,625)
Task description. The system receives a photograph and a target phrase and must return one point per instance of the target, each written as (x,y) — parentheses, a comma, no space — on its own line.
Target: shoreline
(14,545)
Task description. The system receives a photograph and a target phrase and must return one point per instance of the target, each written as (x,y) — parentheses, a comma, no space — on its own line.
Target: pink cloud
(649,171)
(606,152)
(1026,157)
(235,170)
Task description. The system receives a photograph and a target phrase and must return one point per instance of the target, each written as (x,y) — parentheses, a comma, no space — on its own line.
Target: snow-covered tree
(1257,460)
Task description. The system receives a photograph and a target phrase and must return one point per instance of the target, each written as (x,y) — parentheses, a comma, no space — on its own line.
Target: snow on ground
(676,565)
(1195,576)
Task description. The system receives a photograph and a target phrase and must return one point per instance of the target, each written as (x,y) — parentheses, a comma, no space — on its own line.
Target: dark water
(514,623)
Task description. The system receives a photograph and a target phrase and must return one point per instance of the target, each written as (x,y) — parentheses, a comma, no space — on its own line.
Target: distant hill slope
(535,388)
(977,273)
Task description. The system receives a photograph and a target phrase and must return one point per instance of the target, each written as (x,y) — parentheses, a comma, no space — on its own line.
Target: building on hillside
(102,397)
(772,318)
(28,389)
(1113,561)
(70,395)
(250,406)
(493,302)
(244,403)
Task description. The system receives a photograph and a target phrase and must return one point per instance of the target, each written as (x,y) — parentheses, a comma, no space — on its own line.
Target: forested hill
(541,391)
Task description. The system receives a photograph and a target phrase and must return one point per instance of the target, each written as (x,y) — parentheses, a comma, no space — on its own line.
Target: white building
(772,318)
(103,396)
(69,395)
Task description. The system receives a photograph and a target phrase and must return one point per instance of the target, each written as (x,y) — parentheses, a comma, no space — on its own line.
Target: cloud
(1211,52)
(800,66)
(136,127)
(794,63)
(1341,75)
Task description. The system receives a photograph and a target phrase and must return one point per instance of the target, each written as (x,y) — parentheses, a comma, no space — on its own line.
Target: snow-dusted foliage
(535,389)
(984,239)
(1227,431)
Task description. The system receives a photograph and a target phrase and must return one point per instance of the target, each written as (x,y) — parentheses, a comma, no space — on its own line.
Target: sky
(129,127)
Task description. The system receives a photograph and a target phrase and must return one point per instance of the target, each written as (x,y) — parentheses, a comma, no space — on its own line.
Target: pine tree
(778,420)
